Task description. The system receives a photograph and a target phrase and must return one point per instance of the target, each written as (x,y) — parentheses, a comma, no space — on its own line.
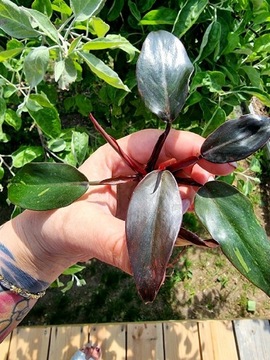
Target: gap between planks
(168,340)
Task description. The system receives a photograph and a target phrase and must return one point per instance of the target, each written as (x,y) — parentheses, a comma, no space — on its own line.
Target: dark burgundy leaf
(153,221)
(187,237)
(163,72)
(236,139)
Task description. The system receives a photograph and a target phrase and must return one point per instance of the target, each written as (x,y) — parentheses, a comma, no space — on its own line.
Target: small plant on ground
(154,216)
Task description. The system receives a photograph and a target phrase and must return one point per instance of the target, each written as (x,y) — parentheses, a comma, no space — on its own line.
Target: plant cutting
(154,215)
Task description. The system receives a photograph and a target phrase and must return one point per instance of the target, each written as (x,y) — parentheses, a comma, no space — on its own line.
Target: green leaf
(79,146)
(8,54)
(213,80)
(230,219)
(254,91)
(262,44)
(45,114)
(210,41)
(43,23)
(83,104)
(26,154)
(35,65)
(43,6)
(115,10)
(253,75)
(84,9)
(57,145)
(102,70)
(188,15)
(62,7)
(45,186)
(3,109)
(134,10)
(14,21)
(74,44)
(111,42)
(98,27)
(236,139)
(161,16)
(65,73)
(163,72)
(74,269)
(2,172)
(218,118)
(12,119)
(153,222)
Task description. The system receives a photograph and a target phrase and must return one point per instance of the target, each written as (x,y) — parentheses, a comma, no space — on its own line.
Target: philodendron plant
(154,215)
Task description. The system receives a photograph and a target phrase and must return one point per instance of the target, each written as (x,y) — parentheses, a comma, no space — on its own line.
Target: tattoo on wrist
(16,276)
(13,308)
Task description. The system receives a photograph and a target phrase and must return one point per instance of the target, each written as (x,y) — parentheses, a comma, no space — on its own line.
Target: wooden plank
(111,339)
(4,348)
(66,340)
(217,341)
(145,341)
(181,340)
(253,339)
(29,343)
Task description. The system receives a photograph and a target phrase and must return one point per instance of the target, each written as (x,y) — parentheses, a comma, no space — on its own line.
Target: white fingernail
(211,178)
(234,164)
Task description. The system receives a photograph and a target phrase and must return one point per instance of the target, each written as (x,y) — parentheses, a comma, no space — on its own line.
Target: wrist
(26,260)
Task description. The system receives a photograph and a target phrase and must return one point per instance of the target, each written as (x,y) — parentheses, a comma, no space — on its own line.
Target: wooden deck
(188,340)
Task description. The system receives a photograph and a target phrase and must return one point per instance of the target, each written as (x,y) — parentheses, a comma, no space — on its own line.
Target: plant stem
(157,149)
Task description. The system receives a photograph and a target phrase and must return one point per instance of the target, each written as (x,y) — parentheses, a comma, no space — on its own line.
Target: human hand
(89,228)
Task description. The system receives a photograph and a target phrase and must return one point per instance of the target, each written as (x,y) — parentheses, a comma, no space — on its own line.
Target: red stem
(128,160)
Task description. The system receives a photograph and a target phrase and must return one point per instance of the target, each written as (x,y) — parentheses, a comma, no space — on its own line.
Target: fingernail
(211,178)
(185,205)
(234,164)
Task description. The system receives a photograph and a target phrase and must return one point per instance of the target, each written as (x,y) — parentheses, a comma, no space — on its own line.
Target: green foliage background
(60,60)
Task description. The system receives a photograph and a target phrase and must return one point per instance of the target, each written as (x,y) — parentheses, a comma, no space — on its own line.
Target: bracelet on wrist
(19,291)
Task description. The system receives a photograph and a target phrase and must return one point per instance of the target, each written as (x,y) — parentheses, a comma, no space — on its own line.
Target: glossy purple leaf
(236,139)
(153,222)
(163,72)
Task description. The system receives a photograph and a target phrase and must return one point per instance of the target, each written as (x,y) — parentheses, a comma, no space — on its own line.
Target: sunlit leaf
(43,6)
(111,42)
(79,146)
(84,9)
(43,23)
(14,21)
(45,114)
(188,15)
(153,221)
(61,7)
(12,119)
(159,16)
(102,70)
(236,139)
(35,65)
(163,72)
(44,186)
(229,217)
(8,54)
(26,154)
(98,27)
